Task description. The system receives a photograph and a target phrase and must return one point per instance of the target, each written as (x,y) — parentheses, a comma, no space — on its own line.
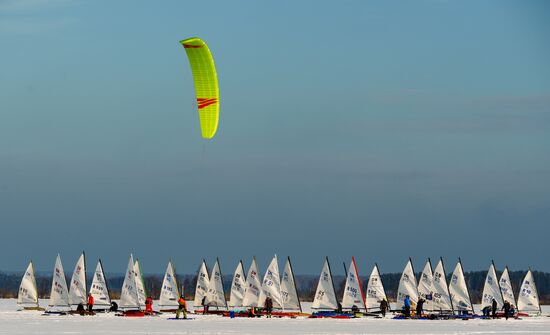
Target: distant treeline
(306,284)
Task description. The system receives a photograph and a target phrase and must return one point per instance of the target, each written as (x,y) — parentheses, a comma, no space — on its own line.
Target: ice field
(33,322)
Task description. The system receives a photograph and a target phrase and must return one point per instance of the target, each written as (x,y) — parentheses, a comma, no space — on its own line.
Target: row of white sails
(440,296)
(251,291)
(455,296)
(248,290)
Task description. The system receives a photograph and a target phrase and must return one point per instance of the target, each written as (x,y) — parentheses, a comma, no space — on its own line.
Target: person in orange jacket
(149,306)
(182,307)
(90,302)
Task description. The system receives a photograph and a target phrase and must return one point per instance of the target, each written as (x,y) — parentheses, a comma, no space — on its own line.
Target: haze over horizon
(378,129)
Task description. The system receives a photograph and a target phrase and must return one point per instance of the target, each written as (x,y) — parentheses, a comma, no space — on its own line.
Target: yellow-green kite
(206,84)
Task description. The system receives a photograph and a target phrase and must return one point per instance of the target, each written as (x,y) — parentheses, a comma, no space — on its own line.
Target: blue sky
(380,129)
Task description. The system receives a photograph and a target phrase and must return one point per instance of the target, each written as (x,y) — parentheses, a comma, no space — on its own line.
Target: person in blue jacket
(407,306)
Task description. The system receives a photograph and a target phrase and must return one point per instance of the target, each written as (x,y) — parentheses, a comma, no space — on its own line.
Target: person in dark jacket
(204,305)
(507,307)
(268,305)
(383,307)
(494,309)
(114,307)
(80,309)
(420,307)
(338,307)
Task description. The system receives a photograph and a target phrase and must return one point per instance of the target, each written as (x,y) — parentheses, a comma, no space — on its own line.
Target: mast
(85,283)
(498,281)
(221,278)
(359,282)
(432,281)
(175,277)
(383,288)
(448,292)
(34,283)
(331,278)
(467,287)
(105,278)
(294,281)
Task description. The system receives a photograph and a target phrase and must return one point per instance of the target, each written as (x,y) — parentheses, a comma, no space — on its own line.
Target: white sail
(425,286)
(59,296)
(271,285)
(289,293)
(216,294)
(202,285)
(491,289)
(407,286)
(238,286)
(253,286)
(458,289)
(77,288)
(169,293)
(506,287)
(528,299)
(325,296)
(375,290)
(353,292)
(99,289)
(28,293)
(140,285)
(441,297)
(129,298)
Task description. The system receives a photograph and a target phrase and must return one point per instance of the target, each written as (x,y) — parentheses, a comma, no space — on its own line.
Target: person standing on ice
(149,305)
(182,307)
(494,309)
(407,306)
(268,305)
(204,306)
(90,302)
(420,307)
(383,307)
(506,307)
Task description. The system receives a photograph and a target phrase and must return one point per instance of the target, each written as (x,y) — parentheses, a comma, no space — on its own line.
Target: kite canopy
(206,84)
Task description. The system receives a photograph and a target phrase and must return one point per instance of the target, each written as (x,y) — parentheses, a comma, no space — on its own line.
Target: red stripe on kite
(189,46)
(204,102)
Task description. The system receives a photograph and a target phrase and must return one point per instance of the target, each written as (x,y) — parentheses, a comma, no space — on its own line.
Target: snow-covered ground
(33,322)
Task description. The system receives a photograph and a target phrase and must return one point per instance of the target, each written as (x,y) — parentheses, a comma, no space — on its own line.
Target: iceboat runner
(27,296)
(59,295)
(325,302)
(375,292)
(100,290)
(169,293)
(129,298)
